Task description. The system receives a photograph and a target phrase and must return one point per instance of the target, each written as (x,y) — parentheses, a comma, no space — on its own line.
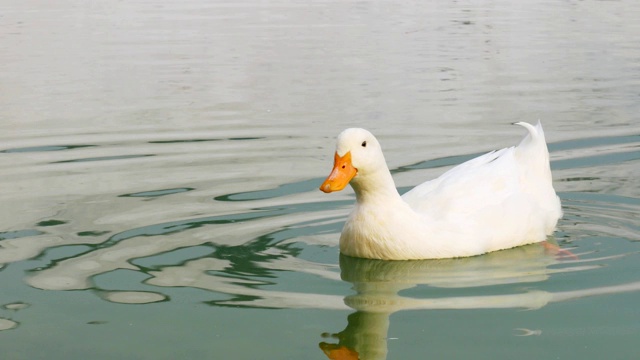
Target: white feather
(496,201)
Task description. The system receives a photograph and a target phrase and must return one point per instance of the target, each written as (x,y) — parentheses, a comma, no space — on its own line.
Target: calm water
(160,163)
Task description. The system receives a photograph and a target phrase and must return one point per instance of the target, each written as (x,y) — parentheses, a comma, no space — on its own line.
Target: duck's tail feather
(534,137)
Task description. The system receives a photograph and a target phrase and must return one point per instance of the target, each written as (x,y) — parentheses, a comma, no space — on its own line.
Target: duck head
(358,155)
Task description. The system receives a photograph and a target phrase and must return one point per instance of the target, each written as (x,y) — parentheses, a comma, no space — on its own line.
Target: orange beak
(343,171)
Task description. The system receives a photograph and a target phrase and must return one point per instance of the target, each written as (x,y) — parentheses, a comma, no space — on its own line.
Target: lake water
(160,164)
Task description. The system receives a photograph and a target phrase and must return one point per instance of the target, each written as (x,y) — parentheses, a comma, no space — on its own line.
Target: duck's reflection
(365,337)
(378,285)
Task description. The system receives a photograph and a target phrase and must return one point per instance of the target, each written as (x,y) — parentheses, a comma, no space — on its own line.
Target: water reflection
(244,253)
(132,297)
(144,144)
(275,247)
(365,337)
(7,323)
(379,286)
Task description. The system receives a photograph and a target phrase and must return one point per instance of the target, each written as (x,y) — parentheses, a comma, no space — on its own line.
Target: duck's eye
(364,143)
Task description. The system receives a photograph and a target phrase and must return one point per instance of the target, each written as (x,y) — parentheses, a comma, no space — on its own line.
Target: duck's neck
(375,186)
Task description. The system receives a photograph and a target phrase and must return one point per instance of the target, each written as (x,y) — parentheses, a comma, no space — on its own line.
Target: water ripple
(248,254)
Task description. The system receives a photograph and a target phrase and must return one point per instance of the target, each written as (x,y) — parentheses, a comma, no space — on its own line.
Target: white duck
(496,201)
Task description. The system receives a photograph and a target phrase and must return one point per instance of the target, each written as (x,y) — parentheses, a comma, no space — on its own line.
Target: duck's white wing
(479,182)
(505,186)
